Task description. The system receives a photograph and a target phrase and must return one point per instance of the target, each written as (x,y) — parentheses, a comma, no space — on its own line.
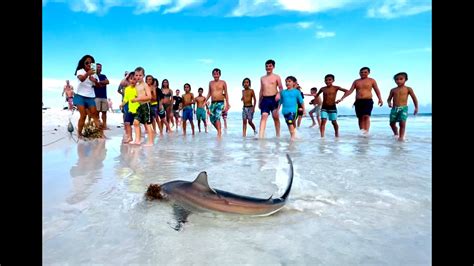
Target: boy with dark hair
(249,99)
(316,101)
(329,110)
(399,112)
(219,99)
(268,98)
(188,100)
(364,103)
(200,111)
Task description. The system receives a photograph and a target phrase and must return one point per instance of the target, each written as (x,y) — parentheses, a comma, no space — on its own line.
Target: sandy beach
(55,122)
(368,199)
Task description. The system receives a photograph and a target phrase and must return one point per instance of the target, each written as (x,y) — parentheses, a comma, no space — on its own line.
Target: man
(69,90)
(100,90)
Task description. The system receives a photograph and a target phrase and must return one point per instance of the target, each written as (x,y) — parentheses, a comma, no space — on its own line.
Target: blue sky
(183,40)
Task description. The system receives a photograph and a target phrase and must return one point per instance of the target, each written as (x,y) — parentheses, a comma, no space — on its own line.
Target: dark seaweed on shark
(188,196)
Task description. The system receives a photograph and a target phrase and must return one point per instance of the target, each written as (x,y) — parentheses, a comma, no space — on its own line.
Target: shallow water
(355,200)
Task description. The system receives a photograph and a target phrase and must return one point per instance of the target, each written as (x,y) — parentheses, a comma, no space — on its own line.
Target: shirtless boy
(217,93)
(188,101)
(269,97)
(364,103)
(200,111)
(399,112)
(249,99)
(329,110)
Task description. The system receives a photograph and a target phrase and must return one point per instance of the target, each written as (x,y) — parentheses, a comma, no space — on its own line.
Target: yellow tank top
(129,94)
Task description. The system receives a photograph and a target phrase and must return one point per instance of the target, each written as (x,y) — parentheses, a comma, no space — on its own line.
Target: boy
(200,111)
(217,93)
(268,98)
(399,112)
(175,119)
(249,99)
(364,103)
(143,114)
(290,98)
(316,101)
(329,110)
(129,108)
(188,100)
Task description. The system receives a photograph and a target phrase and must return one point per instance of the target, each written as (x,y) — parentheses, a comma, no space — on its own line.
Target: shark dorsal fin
(201,182)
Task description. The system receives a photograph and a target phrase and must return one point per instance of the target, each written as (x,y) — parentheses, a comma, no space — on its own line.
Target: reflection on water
(90,157)
(369,199)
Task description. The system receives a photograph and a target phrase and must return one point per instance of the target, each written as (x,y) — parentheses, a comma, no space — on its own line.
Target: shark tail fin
(290,182)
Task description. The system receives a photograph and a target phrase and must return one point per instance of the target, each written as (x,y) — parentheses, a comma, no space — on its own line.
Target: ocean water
(355,200)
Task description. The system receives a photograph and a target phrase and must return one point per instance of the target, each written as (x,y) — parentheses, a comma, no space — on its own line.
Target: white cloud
(265,7)
(147,6)
(389,9)
(140,6)
(304,25)
(312,5)
(255,8)
(88,6)
(205,61)
(416,50)
(325,34)
(180,5)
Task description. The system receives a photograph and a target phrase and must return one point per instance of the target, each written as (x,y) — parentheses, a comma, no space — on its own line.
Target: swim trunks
(216,111)
(201,113)
(268,104)
(329,112)
(247,113)
(363,107)
(399,114)
(188,113)
(290,118)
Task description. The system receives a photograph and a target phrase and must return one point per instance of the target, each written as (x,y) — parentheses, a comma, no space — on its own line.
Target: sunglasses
(87,63)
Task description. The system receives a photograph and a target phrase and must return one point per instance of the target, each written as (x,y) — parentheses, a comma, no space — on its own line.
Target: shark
(187,196)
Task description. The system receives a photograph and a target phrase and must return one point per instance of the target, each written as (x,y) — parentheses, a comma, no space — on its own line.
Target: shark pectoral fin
(181,215)
(201,182)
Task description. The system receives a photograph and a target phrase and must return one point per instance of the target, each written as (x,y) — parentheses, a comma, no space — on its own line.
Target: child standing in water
(290,98)
(129,108)
(219,99)
(188,100)
(317,107)
(329,110)
(249,99)
(200,111)
(399,112)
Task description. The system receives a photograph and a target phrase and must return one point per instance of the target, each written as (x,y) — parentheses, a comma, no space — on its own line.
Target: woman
(167,100)
(84,97)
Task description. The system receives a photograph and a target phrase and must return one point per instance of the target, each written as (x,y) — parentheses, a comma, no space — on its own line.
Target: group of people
(143,102)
